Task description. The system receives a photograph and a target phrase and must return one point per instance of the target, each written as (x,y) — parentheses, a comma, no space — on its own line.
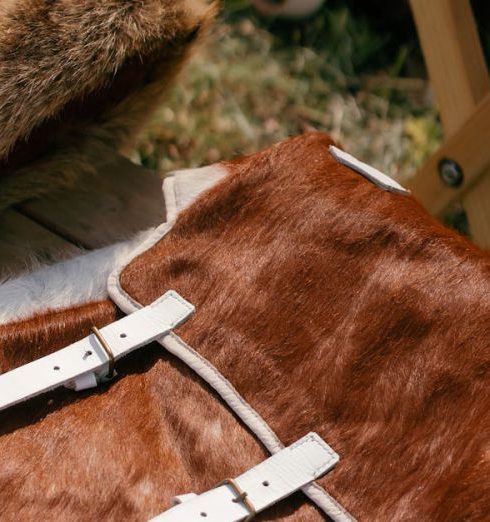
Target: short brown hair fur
(330,305)
(52,53)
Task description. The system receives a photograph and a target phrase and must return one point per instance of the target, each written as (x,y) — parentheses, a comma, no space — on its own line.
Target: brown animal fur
(80,75)
(123,451)
(332,306)
(40,335)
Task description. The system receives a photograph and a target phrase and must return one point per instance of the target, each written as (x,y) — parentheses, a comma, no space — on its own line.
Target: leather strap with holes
(258,488)
(84,363)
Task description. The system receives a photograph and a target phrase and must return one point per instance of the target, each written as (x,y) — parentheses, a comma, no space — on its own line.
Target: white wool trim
(182,187)
(69,283)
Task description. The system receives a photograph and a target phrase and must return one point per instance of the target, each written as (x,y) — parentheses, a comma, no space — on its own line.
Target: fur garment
(330,304)
(77,76)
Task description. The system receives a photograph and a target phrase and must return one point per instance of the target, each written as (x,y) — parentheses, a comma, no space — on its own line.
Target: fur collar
(70,64)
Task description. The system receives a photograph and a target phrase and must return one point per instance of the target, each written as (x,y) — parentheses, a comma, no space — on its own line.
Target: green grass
(258,82)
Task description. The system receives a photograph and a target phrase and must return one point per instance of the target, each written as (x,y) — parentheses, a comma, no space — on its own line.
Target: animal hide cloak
(329,304)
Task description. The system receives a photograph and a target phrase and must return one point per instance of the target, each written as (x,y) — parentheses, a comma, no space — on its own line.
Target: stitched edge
(114,287)
(314,438)
(274,445)
(313,491)
(256,423)
(171,294)
(327,503)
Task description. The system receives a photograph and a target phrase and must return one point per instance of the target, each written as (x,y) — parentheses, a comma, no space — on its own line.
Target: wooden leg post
(460,80)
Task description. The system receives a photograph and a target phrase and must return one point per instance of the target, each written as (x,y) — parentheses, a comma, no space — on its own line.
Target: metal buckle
(107,350)
(241,496)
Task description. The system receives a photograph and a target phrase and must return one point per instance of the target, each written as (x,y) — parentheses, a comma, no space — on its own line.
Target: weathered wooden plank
(23,241)
(477,205)
(120,200)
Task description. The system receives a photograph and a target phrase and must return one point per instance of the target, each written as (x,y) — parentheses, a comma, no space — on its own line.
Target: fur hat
(80,75)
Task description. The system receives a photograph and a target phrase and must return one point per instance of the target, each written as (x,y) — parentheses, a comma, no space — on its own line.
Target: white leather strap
(267,483)
(82,364)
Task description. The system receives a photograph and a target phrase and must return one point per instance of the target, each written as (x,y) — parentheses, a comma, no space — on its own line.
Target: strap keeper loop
(241,496)
(107,349)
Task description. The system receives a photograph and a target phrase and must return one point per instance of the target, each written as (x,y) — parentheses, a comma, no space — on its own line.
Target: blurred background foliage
(353,69)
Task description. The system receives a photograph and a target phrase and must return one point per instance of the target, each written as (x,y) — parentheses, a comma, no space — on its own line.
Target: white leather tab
(267,483)
(83,363)
(370,173)
(182,187)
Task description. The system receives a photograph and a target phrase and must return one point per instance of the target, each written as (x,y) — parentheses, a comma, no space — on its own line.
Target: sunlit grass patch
(258,82)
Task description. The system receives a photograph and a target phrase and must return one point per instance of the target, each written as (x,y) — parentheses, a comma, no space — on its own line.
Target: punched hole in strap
(241,496)
(107,349)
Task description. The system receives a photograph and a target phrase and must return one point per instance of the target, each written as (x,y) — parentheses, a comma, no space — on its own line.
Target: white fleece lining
(170,198)
(73,282)
(211,375)
(182,187)
(83,278)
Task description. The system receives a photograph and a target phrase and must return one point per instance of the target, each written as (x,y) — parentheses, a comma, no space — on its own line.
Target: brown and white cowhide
(329,303)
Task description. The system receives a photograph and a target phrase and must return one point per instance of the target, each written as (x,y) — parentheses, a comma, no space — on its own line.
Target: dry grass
(257,83)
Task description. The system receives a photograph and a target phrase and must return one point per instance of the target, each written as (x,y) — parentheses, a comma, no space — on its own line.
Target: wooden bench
(113,205)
